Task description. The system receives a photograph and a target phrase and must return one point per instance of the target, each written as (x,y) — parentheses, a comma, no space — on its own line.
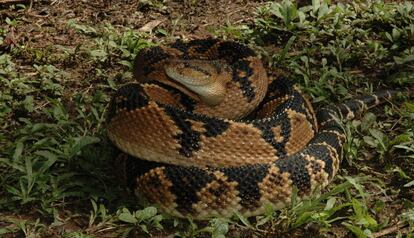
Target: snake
(205,132)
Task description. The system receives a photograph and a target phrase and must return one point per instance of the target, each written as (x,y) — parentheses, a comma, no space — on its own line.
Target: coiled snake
(208,135)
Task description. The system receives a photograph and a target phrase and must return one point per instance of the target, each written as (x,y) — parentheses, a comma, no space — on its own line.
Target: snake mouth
(206,80)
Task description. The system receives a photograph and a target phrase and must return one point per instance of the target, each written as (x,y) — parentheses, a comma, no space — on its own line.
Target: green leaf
(330,203)
(18,150)
(370,141)
(410,184)
(356,184)
(161,31)
(243,219)
(28,103)
(315,5)
(286,48)
(126,216)
(220,228)
(407,148)
(144,227)
(302,219)
(81,142)
(99,53)
(396,34)
(356,230)
(94,206)
(146,213)
(368,121)
(404,59)
(323,11)
(51,159)
(409,106)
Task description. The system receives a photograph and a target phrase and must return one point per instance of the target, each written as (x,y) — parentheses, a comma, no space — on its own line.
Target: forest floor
(61,60)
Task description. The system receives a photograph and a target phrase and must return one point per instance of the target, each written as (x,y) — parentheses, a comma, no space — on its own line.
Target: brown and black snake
(208,134)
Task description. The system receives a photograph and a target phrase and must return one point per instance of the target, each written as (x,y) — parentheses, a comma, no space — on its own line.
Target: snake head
(206,78)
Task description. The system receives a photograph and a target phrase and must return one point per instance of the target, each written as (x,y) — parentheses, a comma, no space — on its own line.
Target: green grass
(55,161)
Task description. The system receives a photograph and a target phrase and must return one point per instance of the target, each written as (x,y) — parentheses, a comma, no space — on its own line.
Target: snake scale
(207,133)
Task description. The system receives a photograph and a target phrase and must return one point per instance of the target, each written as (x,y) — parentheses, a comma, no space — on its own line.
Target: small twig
(254,229)
(30,6)
(390,230)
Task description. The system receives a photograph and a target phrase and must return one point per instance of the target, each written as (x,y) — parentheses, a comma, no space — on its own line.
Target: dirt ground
(44,21)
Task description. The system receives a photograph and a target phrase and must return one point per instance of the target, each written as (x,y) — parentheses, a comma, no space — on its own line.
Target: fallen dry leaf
(150,26)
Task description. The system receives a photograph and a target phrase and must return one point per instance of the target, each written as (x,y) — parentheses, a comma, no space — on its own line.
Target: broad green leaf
(126,216)
(51,159)
(146,213)
(18,151)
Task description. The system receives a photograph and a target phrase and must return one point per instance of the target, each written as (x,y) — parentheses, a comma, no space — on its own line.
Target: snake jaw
(205,78)
(211,95)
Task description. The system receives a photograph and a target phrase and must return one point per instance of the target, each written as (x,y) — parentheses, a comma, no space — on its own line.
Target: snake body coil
(207,134)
